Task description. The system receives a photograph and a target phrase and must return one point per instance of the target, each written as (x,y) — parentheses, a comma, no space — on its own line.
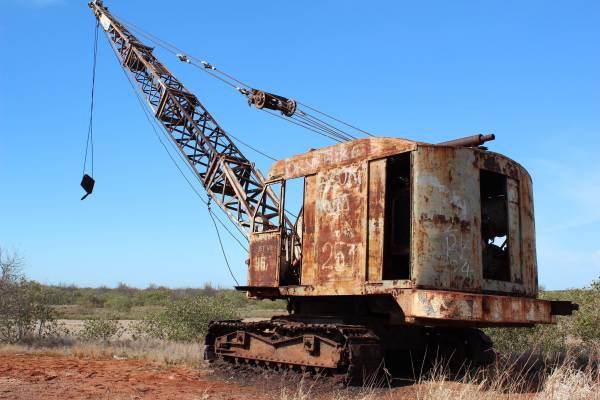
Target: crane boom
(229,178)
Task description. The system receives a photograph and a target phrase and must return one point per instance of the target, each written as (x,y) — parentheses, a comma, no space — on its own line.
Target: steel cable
(221,244)
(301,125)
(320,125)
(336,119)
(89,142)
(316,124)
(327,125)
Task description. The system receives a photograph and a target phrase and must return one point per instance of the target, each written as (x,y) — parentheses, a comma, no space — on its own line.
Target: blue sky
(528,71)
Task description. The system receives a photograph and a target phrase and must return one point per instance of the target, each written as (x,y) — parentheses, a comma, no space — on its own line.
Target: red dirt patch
(30,376)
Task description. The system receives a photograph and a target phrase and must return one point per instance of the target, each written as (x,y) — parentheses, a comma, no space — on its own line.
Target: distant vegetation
(578,333)
(125,302)
(29,309)
(187,319)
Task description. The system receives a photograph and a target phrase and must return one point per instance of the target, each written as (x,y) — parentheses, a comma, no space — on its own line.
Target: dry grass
(526,377)
(161,351)
(564,382)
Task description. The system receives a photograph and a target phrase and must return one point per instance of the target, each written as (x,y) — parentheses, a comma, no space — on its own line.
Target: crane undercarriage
(353,352)
(354,345)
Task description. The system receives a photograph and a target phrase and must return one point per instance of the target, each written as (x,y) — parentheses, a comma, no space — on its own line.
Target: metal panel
(376,206)
(514,231)
(340,155)
(341,220)
(486,310)
(529,258)
(265,259)
(308,239)
(497,163)
(446,248)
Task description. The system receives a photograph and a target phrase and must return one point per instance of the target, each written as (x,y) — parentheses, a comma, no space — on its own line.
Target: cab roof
(339,155)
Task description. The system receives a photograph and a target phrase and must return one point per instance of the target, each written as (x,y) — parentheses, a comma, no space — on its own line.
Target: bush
(579,333)
(89,298)
(232,297)
(25,306)
(119,303)
(152,296)
(187,319)
(103,329)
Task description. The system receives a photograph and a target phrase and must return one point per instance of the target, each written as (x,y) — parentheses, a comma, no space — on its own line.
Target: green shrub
(119,302)
(25,306)
(103,329)
(578,333)
(90,298)
(232,297)
(269,304)
(152,297)
(187,319)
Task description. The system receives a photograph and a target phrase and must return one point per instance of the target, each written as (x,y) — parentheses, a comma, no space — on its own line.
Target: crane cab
(447,232)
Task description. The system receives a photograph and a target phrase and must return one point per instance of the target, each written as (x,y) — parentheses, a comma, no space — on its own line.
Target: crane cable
(167,46)
(221,244)
(304,119)
(156,130)
(88,180)
(206,202)
(89,143)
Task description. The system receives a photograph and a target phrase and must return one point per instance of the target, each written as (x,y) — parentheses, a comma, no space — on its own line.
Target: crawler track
(352,352)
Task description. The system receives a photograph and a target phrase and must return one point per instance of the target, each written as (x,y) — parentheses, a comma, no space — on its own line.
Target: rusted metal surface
(528,250)
(344,219)
(351,350)
(340,214)
(355,151)
(420,306)
(469,141)
(307,276)
(272,101)
(446,251)
(265,259)
(307,350)
(521,235)
(460,308)
(495,162)
(514,231)
(376,224)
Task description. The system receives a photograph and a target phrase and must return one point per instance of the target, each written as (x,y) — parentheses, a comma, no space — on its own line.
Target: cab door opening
(396,256)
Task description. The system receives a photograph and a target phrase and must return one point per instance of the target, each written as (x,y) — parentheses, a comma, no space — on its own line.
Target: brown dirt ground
(27,376)
(30,376)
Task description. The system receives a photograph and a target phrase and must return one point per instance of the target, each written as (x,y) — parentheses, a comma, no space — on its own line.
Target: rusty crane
(399,245)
